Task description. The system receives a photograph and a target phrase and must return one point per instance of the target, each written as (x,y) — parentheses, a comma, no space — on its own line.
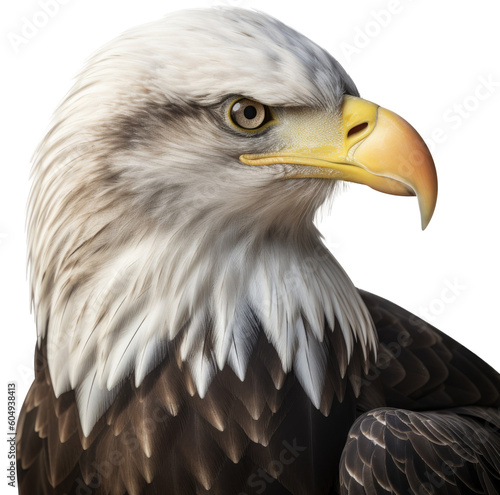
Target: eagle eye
(249,115)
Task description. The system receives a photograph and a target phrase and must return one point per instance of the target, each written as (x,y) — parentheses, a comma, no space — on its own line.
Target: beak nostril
(357,128)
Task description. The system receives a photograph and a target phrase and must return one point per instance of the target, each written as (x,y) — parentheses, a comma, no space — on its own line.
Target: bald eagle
(195,335)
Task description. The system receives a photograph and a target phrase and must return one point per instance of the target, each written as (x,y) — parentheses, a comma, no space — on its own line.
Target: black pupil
(250,112)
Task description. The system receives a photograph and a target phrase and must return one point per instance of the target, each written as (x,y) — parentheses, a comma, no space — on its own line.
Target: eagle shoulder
(419,367)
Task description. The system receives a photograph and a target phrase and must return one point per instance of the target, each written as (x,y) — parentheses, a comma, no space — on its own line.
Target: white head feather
(144,226)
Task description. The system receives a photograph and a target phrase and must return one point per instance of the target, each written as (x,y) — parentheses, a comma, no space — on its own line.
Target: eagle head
(172,206)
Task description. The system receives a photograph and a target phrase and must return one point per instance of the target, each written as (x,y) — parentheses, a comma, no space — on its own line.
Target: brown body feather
(163,438)
(261,435)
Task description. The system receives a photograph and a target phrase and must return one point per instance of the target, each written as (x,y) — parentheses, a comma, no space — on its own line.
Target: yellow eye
(248,114)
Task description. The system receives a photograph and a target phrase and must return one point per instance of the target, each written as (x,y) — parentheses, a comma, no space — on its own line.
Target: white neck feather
(159,290)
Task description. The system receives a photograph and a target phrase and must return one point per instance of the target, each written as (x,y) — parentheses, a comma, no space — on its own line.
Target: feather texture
(263,430)
(246,425)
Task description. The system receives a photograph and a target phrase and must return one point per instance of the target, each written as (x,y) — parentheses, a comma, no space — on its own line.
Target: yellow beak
(370,145)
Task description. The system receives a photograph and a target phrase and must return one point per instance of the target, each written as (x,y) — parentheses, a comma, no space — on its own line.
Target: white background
(426,60)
